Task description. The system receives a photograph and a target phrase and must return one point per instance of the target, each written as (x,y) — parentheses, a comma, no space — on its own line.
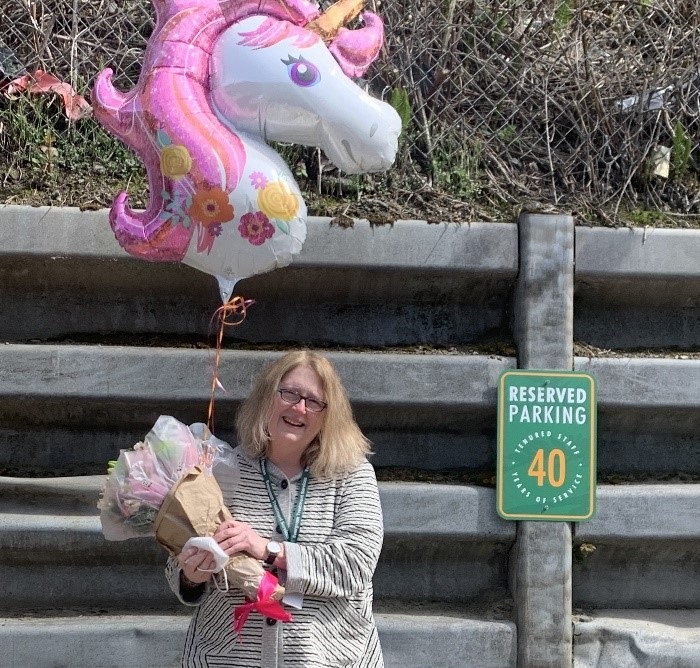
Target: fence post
(540,566)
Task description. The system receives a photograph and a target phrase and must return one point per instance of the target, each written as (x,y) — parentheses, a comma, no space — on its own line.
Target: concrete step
(69,406)
(647,549)
(361,285)
(616,262)
(637,639)
(409,640)
(648,413)
(637,288)
(52,548)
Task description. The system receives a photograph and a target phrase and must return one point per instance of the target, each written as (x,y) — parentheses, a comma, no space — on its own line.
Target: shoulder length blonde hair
(339,447)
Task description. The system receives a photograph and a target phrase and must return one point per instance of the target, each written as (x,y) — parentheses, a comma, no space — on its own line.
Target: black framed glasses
(292,397)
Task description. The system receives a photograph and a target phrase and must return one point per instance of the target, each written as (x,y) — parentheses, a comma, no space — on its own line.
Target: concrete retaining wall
(98,344)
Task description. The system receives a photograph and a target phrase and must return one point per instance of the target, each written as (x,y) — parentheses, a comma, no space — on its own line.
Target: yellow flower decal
(175,161)
(278,201)
(211,205)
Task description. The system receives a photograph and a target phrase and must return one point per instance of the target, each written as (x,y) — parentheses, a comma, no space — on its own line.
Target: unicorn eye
(302,72)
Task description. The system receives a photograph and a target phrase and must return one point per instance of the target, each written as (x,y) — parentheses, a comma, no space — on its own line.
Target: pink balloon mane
(167,118)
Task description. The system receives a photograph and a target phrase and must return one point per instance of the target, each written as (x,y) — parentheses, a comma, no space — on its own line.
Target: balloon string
(230,314)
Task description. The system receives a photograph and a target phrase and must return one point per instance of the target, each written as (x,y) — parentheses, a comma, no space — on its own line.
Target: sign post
(547,425)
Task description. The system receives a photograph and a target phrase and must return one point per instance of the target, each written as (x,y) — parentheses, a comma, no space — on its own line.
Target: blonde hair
(339,447)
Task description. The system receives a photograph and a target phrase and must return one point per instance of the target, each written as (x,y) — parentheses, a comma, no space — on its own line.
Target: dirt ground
(345,203)
(585,350)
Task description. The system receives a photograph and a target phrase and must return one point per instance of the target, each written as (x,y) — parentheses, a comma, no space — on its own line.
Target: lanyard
(290,533)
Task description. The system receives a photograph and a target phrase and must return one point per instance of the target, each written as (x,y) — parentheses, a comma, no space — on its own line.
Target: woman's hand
(233,536)
(195,563)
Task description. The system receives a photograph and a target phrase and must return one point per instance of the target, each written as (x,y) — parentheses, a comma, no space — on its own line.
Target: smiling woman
(292,426)
(305,502)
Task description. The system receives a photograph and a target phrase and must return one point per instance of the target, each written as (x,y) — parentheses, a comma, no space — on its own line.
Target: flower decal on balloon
(210,208)
(258,180)
(175,162)
(175,208)
(278,201)
(211,205)
(256,227)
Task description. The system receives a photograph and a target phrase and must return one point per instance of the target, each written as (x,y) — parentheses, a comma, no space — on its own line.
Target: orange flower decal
(277,200)
(211,205)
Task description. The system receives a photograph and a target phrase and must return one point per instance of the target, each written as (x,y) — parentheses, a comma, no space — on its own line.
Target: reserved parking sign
(547,427)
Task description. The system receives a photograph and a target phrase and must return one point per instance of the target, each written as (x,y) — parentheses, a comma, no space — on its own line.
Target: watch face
(273,547)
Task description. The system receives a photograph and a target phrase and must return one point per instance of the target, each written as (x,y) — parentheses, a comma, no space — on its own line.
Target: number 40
(555,460)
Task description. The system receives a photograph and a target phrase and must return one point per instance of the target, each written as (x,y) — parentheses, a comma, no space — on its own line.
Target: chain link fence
(590,107)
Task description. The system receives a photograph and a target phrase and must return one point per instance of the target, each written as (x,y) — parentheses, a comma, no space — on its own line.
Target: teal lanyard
(290,533)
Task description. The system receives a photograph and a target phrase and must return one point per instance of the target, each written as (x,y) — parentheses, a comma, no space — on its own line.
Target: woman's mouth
(292,423)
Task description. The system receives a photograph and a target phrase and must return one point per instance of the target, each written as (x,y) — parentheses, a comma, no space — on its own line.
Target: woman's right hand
(196,565)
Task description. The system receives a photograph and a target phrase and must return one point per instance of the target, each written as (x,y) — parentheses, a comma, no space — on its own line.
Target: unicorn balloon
(219,78)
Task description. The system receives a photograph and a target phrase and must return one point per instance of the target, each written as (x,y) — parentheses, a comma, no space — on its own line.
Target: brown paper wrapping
(195,507)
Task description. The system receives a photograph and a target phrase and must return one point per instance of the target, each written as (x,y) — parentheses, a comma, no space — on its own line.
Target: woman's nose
(301,406)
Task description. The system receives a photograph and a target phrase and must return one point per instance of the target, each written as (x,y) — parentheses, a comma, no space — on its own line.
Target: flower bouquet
(163,487)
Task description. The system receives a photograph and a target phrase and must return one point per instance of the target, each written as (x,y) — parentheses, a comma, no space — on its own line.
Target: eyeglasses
(313,405)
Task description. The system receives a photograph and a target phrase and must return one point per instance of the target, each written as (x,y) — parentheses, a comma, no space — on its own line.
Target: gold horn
(336,16)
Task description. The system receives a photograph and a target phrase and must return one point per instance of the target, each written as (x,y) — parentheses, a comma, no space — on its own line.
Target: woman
(304,500)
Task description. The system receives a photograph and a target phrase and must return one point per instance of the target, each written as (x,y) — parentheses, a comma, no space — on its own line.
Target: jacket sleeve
(192,597)
(344,565)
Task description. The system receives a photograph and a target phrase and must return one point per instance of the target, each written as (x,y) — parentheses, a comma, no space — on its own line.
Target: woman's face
(293,426)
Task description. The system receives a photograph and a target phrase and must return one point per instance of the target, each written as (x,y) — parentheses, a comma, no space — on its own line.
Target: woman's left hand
(233,536)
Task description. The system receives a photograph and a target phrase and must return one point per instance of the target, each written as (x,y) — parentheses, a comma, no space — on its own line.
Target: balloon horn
(335,17)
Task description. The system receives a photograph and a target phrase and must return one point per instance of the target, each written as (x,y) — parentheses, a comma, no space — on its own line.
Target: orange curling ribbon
(230,314)
(264,605)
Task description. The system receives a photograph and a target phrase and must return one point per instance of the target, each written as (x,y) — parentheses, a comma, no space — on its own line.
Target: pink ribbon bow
(264,605)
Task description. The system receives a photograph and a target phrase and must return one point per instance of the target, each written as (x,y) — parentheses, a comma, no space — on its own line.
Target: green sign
(546,445)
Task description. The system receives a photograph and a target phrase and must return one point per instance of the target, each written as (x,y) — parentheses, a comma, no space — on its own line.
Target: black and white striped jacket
(331,565)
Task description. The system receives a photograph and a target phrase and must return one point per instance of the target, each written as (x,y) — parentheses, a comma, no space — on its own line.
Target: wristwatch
(273,550)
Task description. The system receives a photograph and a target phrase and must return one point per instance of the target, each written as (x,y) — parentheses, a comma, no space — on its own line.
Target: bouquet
(163,487)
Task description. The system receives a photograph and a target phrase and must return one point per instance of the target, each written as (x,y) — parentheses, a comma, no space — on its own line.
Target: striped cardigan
(331,565)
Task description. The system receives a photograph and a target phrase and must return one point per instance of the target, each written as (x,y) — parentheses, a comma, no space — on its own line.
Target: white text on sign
(547,405)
